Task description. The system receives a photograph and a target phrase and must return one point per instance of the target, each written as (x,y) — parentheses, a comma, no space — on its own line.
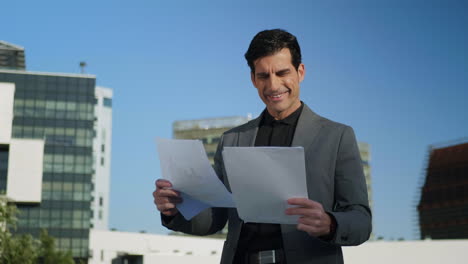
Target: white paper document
(262,179)
(184,163)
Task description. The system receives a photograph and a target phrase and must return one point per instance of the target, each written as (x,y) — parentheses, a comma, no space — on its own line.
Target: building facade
(55,130)
(208,130)
(102,147)
(364,150)
(443,206)
(11,56)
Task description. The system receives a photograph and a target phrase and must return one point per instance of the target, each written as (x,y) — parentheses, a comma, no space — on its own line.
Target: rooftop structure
(11,56)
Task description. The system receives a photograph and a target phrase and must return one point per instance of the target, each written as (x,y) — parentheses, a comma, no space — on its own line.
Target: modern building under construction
(443,207)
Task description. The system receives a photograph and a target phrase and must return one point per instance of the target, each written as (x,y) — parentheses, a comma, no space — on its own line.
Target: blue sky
(396,71)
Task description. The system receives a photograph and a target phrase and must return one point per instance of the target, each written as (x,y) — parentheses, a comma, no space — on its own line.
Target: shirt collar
(289,120)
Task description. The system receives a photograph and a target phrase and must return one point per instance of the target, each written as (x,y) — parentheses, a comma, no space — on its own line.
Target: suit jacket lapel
(307,128)
(247,136)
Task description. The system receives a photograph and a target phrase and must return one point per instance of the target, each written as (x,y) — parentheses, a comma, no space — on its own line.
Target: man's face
(277,82)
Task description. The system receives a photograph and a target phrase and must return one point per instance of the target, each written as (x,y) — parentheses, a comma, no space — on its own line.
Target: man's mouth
(277,96)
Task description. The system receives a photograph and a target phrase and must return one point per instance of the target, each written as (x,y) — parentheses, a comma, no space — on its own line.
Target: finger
(166,193)
(311,230)
(313,222)
(161,183)
(175,200)
(313,213)
(162,200)
(165,206)
(304,202)
(170,212)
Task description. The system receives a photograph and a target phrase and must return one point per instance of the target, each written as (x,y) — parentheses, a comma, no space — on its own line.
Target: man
(335,214)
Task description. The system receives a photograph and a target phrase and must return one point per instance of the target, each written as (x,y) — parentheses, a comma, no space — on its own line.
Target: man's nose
(275,83)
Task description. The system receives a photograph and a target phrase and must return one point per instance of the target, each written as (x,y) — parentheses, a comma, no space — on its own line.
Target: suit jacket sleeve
(208,221)
(351,208)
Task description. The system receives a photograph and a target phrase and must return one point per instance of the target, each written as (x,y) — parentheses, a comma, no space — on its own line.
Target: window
(100,201)
(4,150)
(107,102)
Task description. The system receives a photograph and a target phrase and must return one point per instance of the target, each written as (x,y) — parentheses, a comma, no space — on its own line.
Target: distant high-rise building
(208,130)
(443,207)
(364,150)
(11,56)
(55,132)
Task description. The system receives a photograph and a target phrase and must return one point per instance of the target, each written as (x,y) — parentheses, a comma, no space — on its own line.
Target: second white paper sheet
(262,179)
(185,164)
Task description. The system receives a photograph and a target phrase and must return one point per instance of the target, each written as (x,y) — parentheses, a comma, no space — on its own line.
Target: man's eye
(282,73)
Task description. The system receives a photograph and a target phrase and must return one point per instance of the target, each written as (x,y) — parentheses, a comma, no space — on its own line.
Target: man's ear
(301,71)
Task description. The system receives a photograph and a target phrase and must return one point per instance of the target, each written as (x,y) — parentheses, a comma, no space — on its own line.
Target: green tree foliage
(24,249)
(49,253)
(18,249)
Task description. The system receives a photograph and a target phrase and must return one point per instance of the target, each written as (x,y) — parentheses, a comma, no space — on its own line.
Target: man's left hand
(313,219)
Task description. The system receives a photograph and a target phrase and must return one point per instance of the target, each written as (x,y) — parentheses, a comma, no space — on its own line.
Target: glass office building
(208,130)
(59,109)
(11,56)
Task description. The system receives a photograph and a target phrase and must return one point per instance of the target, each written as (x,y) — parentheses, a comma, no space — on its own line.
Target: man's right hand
(166,198)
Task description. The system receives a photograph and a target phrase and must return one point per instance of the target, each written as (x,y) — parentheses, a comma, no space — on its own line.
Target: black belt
(267,257)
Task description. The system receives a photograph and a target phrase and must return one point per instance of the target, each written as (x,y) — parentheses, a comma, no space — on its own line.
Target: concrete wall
(25,165)
(408,252)
(7,94)
(106,245)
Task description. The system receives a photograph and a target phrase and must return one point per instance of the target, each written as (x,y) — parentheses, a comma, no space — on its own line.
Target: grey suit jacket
(334,178)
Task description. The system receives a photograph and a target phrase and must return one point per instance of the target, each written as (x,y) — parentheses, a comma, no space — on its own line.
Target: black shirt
(255,236)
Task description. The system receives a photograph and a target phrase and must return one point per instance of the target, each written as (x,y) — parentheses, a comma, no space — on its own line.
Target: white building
(102,158)
(133,248)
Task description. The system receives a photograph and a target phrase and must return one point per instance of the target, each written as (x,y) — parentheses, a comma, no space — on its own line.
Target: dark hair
(268,42)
